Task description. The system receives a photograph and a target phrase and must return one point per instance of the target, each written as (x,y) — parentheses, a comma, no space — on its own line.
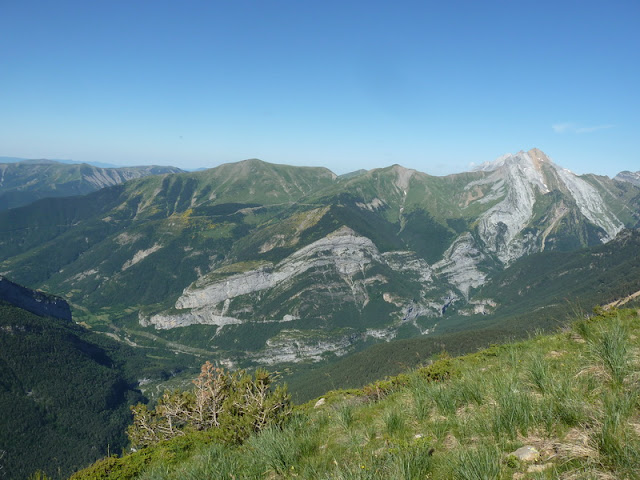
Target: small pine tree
(237,404)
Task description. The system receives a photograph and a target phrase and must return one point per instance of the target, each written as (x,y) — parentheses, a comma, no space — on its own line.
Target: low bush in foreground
(235,405)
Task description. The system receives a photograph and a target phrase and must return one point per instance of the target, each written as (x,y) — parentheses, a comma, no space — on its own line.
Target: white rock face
(630,177)
(460,264)
(516,182)
(403,177)
(345,250)
(193,317)
(372,206)
(295,346)
(501,225)
(523,174)
(140,255)
(385,334)
(409,262)
(590,203)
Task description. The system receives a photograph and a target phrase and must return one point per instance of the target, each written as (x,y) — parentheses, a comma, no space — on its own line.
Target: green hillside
(64,399)
(334,281)
(65,393)
(562,406)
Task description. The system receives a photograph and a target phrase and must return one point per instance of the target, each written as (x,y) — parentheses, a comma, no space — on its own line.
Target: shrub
(440,370)
(378,390)
(237,404)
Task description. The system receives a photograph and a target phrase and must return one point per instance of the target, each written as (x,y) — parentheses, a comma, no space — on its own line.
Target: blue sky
(434,86)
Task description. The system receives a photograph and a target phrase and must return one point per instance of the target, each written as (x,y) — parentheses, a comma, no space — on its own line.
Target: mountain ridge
(236,236)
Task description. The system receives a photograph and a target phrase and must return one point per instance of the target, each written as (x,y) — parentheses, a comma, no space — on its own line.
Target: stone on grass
(526,454)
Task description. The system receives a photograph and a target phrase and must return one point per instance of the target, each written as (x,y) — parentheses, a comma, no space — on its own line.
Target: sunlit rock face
(343,258)
(517,182)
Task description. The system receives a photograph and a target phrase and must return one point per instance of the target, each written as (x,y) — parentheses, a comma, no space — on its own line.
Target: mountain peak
(538,156)
(535,157)
(403,176)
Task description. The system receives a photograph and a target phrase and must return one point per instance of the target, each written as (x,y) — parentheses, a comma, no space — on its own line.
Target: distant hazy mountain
(258,263)
(26,181)
(631,177)
(54,160)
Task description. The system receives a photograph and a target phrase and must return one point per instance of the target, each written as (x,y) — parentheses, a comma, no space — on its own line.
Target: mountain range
(260,264)
(24,181)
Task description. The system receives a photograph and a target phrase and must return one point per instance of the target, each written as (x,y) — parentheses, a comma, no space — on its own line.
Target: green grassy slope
(570,397)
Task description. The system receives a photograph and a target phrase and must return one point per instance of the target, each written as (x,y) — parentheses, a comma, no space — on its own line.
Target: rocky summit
(256,263)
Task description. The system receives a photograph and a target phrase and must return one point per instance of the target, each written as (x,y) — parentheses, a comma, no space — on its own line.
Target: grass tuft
(611,348)
(477,464)
(345,415)
(394,423)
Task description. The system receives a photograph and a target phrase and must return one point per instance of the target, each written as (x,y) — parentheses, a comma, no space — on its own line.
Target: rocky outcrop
(195,317)
(34,301)
(501,226)
(590,203)
(460,264)
(296,346)
(344,250)
(522,178)
(343,255)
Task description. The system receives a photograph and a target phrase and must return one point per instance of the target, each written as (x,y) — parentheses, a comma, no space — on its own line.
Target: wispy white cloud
(562,127)
(573,128)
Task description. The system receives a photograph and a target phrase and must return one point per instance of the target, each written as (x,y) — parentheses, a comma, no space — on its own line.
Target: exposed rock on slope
(343,254)
(524,177)
(519,183)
